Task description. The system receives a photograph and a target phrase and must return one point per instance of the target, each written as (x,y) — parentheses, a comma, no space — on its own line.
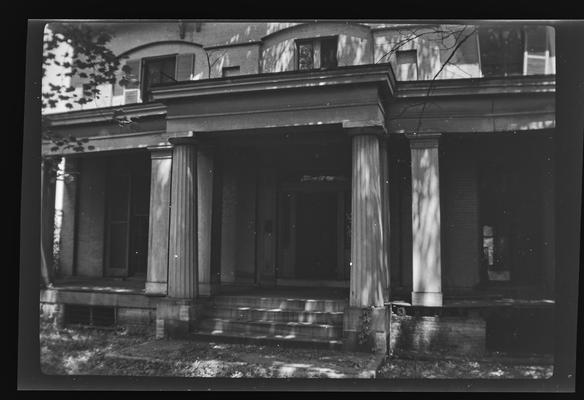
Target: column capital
(160,152)
(368,130)
(423,140)
(189,137)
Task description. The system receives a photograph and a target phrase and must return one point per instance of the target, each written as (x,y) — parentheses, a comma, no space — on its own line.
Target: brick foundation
(426,334)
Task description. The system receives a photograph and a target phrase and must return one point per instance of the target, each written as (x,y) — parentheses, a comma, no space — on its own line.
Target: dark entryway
(316,235)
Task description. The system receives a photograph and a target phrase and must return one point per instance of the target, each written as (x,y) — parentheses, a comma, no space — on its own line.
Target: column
(159,220)
(426,257)
(48,217)
(67,246)
(366,323)
(205,172)
(176,314)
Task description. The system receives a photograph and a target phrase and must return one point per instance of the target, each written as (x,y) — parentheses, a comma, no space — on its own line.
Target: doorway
(316,235)
(312,249)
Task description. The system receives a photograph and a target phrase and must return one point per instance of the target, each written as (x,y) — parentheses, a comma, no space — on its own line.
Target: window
(501,51)
(230,71)
(407,65)
(317,53)
(157,71)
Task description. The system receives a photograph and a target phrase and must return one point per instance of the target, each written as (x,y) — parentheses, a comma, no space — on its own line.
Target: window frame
(144,93)
(314,42)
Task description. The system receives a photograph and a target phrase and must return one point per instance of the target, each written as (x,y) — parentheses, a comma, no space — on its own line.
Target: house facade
(365,185)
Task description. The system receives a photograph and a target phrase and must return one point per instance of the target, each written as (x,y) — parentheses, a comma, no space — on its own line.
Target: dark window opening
(328,53)
(501,51)
(128,209)
(157,71)
(317,53)
(230,71)
(99,316)
(407,64)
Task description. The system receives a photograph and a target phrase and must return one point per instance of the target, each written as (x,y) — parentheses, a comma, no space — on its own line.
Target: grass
(88,351)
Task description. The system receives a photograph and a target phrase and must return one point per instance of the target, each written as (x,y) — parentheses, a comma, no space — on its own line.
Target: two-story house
(336,183)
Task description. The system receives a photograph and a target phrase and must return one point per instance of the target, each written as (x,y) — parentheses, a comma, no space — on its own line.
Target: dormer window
(501,51)
(317,53)
(157,71)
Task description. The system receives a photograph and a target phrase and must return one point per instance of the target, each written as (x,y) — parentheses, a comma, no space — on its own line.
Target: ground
(87,351)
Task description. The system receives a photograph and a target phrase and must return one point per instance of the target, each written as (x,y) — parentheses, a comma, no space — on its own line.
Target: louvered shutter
(185,66)
(118,90)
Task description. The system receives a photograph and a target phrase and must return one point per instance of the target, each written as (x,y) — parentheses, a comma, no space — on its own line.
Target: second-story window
(501,51)
(157,71)
(316,53)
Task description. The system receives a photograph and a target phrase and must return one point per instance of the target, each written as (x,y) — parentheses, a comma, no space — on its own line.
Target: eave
(99,115)
(377,73)
(478,86)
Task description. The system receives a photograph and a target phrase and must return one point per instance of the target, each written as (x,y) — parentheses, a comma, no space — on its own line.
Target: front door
(311,247)
(316,235)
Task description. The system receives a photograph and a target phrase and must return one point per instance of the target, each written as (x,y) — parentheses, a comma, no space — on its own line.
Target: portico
(310,184)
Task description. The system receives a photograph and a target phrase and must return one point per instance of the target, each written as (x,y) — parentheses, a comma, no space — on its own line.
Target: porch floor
(288,292)
(102,285)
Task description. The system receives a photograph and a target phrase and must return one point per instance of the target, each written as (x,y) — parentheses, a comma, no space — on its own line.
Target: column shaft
(183,258)
(159,221)
(368,253)
(426,241)
(68,218)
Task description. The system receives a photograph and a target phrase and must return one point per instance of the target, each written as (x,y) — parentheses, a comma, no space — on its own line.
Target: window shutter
(131,96)
(134,75)
(185,66)
(118,90)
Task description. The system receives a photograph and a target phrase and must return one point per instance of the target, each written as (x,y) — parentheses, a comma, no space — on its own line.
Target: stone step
(289,330)
(246,338)
(242,313)
(282,303)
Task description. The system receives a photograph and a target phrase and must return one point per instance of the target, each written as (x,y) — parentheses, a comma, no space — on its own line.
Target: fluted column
(368,255)
(366,321)
(205,174)
(183,257)
(159,221)
(426,241)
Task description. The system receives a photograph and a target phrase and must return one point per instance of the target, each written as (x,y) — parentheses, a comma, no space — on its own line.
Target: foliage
(86,56)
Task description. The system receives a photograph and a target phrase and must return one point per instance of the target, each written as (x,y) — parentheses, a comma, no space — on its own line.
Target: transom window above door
(316,53)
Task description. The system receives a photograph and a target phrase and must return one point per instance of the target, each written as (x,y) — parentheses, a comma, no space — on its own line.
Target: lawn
(88,351)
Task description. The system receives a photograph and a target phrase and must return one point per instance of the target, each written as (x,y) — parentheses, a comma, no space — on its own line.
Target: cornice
(377,73)
(97,115)
(535,84)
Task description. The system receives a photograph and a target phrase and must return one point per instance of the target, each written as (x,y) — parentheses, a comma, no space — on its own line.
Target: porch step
(274,319)
(243,313)
(282,303)
(246,338)
(275,329)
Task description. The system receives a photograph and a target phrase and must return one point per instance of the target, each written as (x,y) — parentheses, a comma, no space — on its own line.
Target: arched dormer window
(152,65)
(317,53)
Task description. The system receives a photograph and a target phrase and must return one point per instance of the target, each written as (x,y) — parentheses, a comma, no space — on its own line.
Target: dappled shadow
(426,220)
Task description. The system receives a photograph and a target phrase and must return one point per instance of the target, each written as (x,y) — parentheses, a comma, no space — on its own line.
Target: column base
(428,299)
(175,318)
(156,288)
(366,329)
